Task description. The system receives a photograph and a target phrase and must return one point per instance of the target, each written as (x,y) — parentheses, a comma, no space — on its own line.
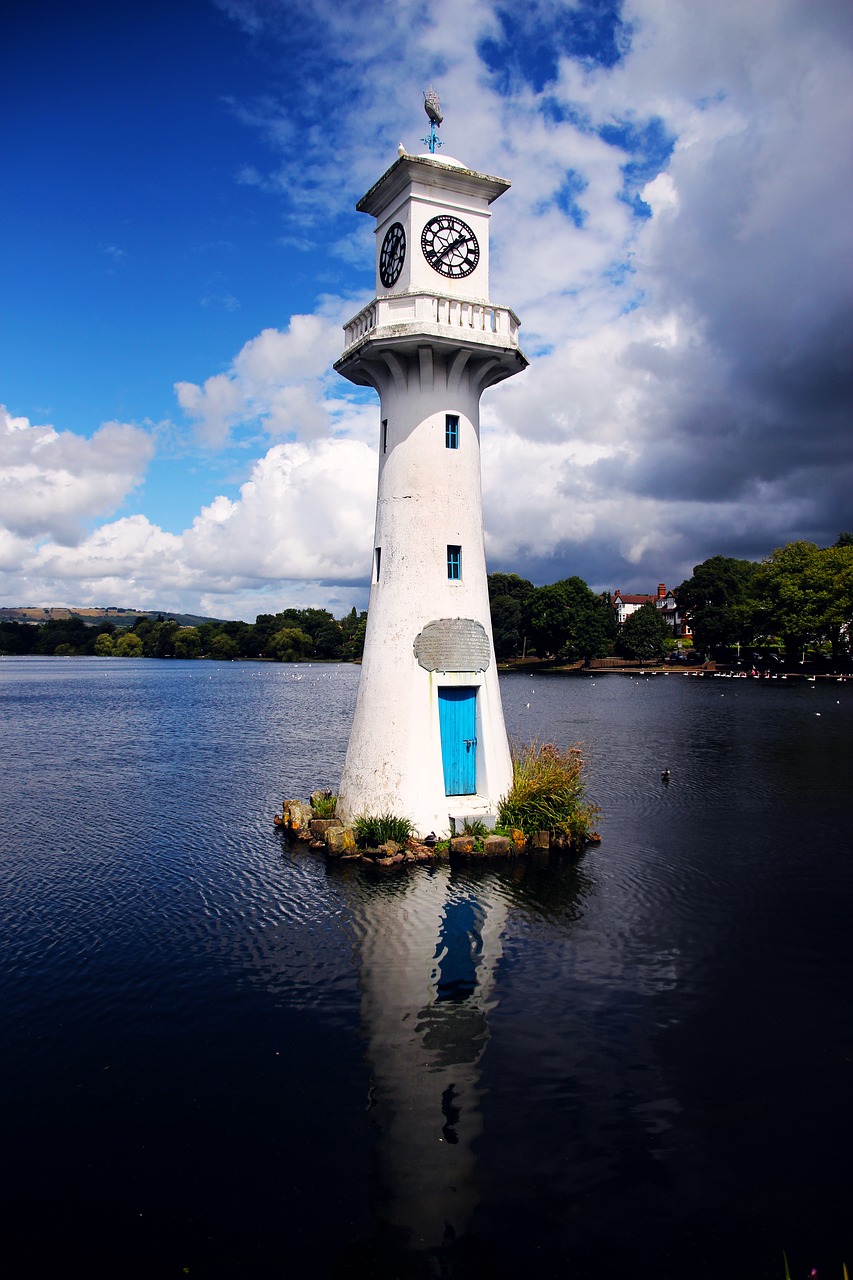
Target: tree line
(293,635)
(796,603)
(799,599)
(568,622)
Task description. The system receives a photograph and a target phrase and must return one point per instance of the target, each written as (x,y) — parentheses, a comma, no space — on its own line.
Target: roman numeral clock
(450,246)
(428,740)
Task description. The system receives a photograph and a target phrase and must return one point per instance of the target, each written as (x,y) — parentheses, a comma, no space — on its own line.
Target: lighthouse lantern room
(428,740)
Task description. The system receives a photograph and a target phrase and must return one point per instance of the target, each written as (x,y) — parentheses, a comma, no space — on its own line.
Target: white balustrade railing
(360,325)
(433,310)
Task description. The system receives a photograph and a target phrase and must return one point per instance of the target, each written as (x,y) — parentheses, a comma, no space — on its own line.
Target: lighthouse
(428,740)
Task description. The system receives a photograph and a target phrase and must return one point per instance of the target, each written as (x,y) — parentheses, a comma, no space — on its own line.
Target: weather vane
(432,107)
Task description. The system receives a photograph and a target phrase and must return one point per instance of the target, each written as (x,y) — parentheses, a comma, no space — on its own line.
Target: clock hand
(451,247)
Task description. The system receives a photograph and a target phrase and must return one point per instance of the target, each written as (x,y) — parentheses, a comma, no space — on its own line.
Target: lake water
(222,1057)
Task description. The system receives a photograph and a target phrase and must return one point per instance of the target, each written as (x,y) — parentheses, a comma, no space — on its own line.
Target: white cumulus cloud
(279,382)
(51,481)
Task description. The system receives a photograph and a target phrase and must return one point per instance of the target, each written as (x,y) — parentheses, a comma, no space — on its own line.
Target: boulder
(296,814)
(340,842)
(462,845)
(497,846)
(319,826)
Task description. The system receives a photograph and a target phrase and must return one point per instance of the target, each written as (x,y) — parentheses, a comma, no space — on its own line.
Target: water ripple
(647,1037)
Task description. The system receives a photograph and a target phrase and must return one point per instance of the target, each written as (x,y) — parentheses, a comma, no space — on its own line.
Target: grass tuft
(324,805)
(475,827)
(374,829)
(548,793)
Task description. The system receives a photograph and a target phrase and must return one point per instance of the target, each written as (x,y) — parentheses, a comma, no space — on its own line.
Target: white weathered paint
(429,347)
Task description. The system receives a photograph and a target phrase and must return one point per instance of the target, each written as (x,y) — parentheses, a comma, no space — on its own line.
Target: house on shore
(625,604)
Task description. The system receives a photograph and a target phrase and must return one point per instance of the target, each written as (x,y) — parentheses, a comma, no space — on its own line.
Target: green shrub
(547,793)
(373,829)
(324,805)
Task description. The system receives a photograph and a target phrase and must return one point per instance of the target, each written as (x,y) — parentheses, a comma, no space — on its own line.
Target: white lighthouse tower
(428,740)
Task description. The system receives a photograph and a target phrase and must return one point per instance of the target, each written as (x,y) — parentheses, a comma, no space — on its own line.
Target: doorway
(457,717)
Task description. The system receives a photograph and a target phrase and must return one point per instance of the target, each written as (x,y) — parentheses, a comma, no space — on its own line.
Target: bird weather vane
(432,107)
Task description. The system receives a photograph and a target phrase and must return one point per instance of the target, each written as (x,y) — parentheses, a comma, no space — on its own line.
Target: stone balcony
(435,315)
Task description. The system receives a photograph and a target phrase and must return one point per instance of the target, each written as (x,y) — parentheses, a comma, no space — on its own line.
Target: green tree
(71,634)
(143,626)
(508,594)
(224,648)
(785,603)
(248,641)
(243,635)
(328,640)
(644,634)
(187,643)
(159,642)
(507,626)
(804,595)
(265,628)
(354,628)
(206,632)
(568,620)
(289,645)
(104,645)
(509,584)
(128,646)
(18,637)
(718,599)
(838,564)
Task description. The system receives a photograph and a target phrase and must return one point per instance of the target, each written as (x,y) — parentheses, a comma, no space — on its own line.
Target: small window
(384,435)
(454,563)
(451,431)
(377,561)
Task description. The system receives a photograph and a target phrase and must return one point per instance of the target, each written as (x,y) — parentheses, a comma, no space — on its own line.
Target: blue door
(457,716)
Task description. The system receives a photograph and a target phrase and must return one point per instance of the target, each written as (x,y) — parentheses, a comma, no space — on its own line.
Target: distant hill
(93,617)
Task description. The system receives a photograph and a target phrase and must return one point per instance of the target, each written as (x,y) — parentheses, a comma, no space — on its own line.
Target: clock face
(450,246)
(392,255)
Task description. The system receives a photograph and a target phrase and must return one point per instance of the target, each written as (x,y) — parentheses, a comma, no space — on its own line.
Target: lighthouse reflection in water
(429,949)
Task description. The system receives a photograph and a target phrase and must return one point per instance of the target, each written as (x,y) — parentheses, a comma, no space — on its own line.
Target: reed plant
(374,829)
(548,793)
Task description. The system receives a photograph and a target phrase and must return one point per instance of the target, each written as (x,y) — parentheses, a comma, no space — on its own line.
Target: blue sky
(182,248)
